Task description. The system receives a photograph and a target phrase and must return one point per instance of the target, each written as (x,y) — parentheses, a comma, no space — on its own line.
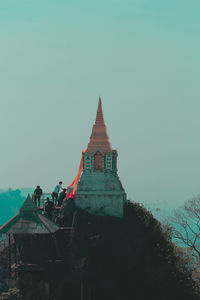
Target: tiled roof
(29,220)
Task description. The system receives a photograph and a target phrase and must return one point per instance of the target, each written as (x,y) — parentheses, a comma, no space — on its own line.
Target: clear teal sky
(141,56)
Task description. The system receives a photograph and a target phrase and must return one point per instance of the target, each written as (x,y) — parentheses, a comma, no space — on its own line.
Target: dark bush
(131,258)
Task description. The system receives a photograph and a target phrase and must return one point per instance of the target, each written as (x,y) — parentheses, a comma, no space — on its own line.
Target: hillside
(129,258)
(11,201)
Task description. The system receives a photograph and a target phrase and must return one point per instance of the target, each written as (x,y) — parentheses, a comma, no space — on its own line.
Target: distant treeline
(10,202)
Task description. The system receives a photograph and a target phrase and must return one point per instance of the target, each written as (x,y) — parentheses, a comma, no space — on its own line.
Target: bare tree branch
(185,224)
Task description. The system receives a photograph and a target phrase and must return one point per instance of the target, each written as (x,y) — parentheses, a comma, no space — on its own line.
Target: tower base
(101,194)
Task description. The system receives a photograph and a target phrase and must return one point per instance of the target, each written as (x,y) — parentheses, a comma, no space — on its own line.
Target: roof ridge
(28,205)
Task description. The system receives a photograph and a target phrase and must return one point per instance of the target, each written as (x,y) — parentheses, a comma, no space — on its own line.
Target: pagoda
(99,190)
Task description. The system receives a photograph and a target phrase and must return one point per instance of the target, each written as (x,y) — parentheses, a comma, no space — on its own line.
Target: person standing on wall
(56,191)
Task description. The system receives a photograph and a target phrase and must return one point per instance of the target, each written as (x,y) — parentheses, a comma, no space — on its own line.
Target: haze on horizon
(140,56)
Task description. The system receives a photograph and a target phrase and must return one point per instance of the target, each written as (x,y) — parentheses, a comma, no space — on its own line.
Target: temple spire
(99,116)
(99,138)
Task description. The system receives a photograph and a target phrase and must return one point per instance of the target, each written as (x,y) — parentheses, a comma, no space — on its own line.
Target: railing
(43,199)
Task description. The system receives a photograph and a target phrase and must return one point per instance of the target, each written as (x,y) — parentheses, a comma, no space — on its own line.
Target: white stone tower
(99,190)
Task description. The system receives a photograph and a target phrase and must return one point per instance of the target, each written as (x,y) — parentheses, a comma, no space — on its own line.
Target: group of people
(58,195)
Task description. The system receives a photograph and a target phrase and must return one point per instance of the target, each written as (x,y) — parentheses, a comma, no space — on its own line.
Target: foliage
(131,257)
(11,294)
(185,224)
(10,202)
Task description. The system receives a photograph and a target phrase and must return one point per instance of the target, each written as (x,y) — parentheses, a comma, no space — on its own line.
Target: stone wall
(101,205)
(101,194)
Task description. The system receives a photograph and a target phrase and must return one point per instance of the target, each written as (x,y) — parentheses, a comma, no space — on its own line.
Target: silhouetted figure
(49,208)
(37,195)
(67,211)
(61,197)
(56,191)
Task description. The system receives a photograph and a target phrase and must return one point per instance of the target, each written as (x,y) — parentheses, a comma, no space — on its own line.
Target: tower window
(87,162)
(109,162)
(98,161)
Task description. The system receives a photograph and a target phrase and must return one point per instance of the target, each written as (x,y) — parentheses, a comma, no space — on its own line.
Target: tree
(185,225)
(10,202)
(132,257)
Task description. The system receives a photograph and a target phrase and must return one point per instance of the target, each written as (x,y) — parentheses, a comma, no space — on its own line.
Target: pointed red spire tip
(99,138)
(99,116)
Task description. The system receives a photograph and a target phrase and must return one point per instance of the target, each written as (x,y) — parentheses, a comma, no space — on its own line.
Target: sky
(141,56)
